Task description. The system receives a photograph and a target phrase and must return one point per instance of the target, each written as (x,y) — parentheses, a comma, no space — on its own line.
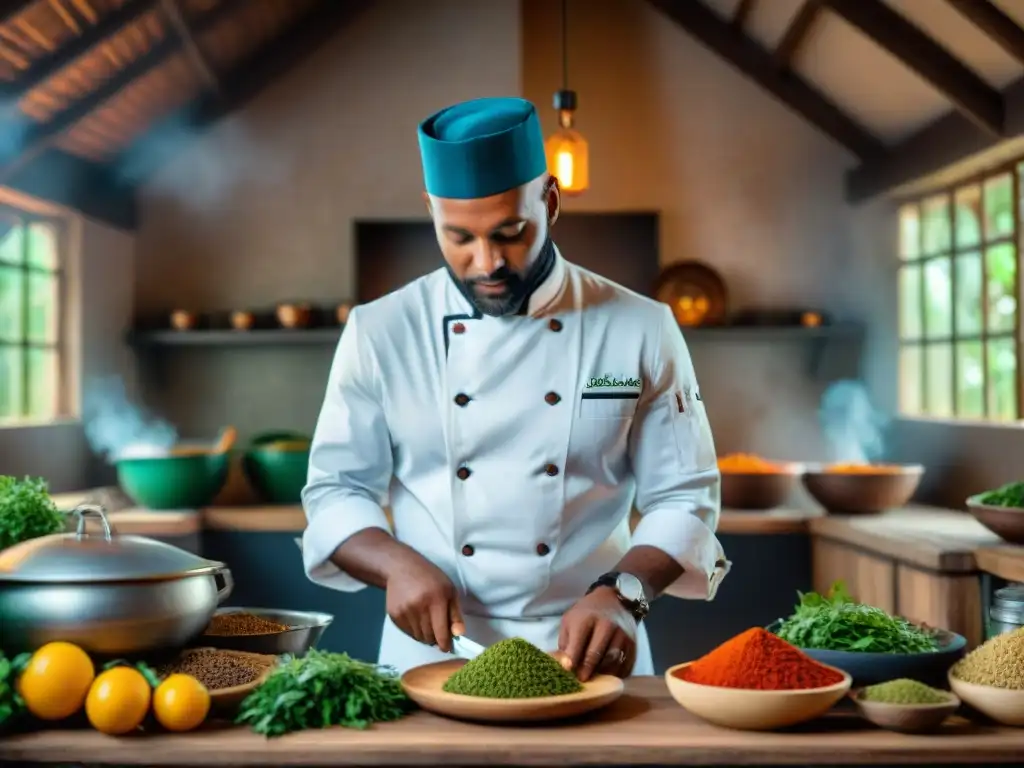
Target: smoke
(227,157)
(116,428)
(854,429)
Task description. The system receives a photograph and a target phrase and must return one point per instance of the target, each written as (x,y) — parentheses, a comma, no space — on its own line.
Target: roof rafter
(975,98)
(11,8)
(39,136)
(248,78)
(50,65)
(797,32)
(1003,30)
(755,62)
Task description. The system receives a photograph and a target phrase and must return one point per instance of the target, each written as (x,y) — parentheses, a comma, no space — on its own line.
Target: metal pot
(112,595)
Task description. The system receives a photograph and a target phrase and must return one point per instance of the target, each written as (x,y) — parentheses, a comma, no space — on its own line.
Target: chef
(511,408)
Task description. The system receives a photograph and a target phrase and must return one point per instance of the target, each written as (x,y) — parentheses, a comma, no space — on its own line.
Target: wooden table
(645,727)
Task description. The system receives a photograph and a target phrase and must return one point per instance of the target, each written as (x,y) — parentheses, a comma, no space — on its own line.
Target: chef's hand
(423,603)
(598,635)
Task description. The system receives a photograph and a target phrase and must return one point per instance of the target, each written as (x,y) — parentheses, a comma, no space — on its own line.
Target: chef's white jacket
(511,450)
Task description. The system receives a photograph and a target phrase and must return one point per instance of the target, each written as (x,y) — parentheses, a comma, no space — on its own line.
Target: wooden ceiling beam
(172,10)
(11,8)
(37,137)
(1003,30)
(742,13)
(247,79)
(701,23)
(796,33)
(42,70)
(975,98)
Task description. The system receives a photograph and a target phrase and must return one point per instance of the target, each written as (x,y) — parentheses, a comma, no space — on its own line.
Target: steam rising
(854,429)
(116,428)
(226,158)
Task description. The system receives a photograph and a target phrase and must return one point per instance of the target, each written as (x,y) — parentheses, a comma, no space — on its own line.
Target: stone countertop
(644,727)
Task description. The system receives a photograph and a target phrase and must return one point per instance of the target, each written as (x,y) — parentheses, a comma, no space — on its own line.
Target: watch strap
(639,608)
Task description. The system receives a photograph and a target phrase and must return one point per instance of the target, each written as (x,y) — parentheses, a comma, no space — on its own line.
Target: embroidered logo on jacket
(612,382)
(609,387)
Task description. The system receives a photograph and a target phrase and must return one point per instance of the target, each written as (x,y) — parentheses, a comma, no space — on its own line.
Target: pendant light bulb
(568,155)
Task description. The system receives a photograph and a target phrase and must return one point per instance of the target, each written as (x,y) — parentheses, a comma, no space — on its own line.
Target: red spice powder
(758,660)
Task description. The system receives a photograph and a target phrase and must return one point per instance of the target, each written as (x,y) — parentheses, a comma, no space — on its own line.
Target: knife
(466,648)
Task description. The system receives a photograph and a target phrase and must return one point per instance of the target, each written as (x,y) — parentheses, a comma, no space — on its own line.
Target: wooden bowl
(183,320)
(1003,705)
(862,492)
(1005,522)
(906,718)
(754,710)
(242,321)
(759,490)
(294,315)
(424,686)
(225,702)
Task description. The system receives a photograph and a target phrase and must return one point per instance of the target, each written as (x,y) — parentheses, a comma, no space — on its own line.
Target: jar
(1007,611)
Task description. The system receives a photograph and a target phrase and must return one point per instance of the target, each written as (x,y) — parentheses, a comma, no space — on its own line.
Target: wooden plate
(424,686)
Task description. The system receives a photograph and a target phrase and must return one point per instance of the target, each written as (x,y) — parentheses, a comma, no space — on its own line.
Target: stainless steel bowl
(305,630)
(112,595)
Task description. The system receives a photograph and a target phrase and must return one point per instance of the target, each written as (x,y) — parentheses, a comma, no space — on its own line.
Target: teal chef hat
(482,147)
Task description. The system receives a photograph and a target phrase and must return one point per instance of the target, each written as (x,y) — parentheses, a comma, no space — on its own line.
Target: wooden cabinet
(948,600)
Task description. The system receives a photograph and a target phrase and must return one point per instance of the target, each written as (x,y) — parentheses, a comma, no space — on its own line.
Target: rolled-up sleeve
(674,462)
(350,461)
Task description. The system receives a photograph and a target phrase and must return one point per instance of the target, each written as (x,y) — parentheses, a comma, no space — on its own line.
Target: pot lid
(83,557)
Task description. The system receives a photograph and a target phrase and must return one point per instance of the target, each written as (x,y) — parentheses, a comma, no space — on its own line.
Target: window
(31,289)
(959,322)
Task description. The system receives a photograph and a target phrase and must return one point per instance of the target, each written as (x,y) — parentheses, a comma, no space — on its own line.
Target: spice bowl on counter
(752,483)
(905,706)
(846,489)
(228,675)
(1004,521)
(266,631)
(990,679)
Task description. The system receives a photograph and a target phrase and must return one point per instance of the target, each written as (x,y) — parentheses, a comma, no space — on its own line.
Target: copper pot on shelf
(342,313)
(242,321)
(183,320)
(294,315)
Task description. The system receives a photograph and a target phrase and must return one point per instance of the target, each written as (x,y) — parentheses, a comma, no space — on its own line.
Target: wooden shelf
(325,336)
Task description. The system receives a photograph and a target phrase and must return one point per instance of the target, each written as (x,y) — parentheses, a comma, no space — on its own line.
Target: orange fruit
(181,703)
(118,701)
(55,682)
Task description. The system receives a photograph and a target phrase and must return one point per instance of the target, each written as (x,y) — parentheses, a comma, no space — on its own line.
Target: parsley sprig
(836,622)
(26,511)
(11,704)
(323,689)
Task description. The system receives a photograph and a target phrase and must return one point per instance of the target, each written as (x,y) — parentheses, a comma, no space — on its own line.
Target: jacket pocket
(608,405)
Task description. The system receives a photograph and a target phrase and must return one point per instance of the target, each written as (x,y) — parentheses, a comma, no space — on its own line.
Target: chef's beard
(518,287)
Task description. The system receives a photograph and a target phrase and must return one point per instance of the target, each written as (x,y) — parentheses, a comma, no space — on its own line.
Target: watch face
(629,587)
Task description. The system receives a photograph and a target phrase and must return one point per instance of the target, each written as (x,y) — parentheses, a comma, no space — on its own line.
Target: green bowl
(277,475)
(173,482)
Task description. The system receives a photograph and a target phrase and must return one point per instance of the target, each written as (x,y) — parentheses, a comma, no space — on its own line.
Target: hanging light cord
(565,45)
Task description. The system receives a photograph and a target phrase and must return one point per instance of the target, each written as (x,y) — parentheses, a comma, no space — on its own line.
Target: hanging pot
(112,595)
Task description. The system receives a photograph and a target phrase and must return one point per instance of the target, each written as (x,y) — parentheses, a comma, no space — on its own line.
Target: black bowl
(873,668)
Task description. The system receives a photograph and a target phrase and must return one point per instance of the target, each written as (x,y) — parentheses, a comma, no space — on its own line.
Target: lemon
(56,681)
(118,701)
(181,703)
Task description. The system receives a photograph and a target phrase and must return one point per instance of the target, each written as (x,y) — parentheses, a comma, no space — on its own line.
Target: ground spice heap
(237,624)
(998,663)
(904,691)
(758,660)
(214,669)
(513,669)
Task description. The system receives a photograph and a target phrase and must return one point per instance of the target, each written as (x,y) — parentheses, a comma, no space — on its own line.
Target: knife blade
(466,648)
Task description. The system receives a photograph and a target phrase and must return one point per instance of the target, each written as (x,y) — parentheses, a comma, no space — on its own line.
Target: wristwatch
(630,591)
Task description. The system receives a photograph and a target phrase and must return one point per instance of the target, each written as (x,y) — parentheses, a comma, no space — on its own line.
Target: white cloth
(578,408)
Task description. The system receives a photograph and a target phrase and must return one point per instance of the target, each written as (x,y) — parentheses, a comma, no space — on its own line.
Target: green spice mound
(904,691)
(322,689)
(836,622)
(998,663)
(513,669)
(1009,495)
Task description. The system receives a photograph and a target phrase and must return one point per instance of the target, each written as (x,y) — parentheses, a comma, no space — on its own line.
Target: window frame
(59,273)
(1015,170)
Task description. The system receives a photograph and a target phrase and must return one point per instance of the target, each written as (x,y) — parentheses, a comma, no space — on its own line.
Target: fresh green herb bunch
(26,511)
(322,689)
(838,623)
(1009,495)
(512,669)
(11,705)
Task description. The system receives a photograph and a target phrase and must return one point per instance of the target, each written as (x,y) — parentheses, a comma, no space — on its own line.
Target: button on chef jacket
(511,450)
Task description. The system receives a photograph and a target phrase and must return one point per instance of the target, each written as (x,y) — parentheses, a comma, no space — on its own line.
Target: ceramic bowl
(906,718)
(754,710)
(759,490)
(862,492)
(1005,522)
(1003,705)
